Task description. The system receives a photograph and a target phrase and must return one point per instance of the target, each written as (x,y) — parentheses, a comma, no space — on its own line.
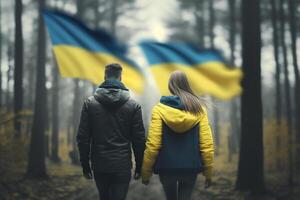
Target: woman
(179,143)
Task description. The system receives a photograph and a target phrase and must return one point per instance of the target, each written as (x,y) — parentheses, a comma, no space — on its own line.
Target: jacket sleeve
(206,145)
(84,136)
(153,145)
(138,138)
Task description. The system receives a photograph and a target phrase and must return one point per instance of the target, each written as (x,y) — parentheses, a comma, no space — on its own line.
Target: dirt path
(90,193)
(137,191)
(222,189)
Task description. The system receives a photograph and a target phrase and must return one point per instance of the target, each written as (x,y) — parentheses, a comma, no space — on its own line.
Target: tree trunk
(36,165)
(9,76)
(1,57)
(211,38)
(293,32)
(18,73)
(211,24)
(55,116)
(76,114)
(216,129)
(114,16)
(76,101)
(250,168)
(31,86)
(199,16)
(47,122)
(287,91)
(96,14)
(232,29)
(47,152)
(70,129)
(276,57)
(277,81)
(233,139)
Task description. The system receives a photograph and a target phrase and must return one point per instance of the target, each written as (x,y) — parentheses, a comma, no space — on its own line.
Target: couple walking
(179,142)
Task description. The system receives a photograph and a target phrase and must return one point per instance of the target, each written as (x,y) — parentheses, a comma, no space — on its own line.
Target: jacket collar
(113,84)
(172,101)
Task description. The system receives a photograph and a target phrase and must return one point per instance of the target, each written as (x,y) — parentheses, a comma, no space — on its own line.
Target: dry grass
(64,179)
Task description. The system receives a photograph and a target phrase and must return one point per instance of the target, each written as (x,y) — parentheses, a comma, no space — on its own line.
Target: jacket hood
(112,93)
(173,114)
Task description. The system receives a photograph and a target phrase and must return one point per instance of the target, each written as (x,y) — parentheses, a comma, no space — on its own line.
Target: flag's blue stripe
(181,53)
(65,29)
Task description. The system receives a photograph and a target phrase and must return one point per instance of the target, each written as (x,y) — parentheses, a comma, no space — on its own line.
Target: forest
(256,133)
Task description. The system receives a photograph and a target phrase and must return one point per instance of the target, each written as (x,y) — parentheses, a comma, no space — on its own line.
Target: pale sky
(151,18)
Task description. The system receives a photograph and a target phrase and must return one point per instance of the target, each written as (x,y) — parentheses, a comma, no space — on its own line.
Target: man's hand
(137,175)
(145,182)
(207,182)
(87,172)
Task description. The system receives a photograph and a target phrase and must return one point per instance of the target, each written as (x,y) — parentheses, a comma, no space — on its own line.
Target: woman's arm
(153,145)
(206,145)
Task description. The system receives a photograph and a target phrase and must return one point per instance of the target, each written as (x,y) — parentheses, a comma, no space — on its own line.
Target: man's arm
(138,139)
(83,141)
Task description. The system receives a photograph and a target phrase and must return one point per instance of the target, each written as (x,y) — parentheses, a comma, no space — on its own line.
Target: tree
(199,16)
(18,72)
(75,121)
(0,56)
(114,16)
(211,24)
(250,167)
(211,38)
(232,29)
(276,57)
(99,14)
(54,156)
(32,70)
(293,31)
(287,89)
(55,116)
(70,129)
(36,165)
(77,99)
(277,78)
(233,138)
(9,76)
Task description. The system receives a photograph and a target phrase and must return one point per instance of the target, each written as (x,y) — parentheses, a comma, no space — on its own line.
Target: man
(111,122)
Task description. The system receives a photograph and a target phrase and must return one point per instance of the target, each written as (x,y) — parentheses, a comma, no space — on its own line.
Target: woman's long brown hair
(179,86)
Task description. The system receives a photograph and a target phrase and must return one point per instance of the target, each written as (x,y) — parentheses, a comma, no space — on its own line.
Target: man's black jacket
(111,122)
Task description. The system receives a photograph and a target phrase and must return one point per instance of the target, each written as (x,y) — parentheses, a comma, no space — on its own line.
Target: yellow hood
(178,120)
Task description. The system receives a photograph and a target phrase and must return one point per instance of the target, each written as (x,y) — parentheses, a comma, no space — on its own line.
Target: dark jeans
(112,186)
(178,186)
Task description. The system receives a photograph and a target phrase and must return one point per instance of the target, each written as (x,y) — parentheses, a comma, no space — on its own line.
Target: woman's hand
(207,182)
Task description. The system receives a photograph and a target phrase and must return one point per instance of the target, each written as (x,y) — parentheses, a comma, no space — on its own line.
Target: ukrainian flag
(206,69)
(83,53)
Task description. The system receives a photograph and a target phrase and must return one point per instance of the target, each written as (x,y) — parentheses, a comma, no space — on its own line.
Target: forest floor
(65,181)
(222,189)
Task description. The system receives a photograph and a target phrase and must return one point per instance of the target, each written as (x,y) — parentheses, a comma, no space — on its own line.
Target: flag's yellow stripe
(79,63)
(209,78)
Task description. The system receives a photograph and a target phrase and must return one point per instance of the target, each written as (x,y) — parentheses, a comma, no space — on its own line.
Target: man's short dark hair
(113,70)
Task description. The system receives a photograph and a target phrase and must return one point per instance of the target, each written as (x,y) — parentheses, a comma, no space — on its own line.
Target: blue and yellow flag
(83,53)
(206,69)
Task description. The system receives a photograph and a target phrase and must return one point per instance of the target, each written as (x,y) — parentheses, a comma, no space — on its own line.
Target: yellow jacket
(179,121)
